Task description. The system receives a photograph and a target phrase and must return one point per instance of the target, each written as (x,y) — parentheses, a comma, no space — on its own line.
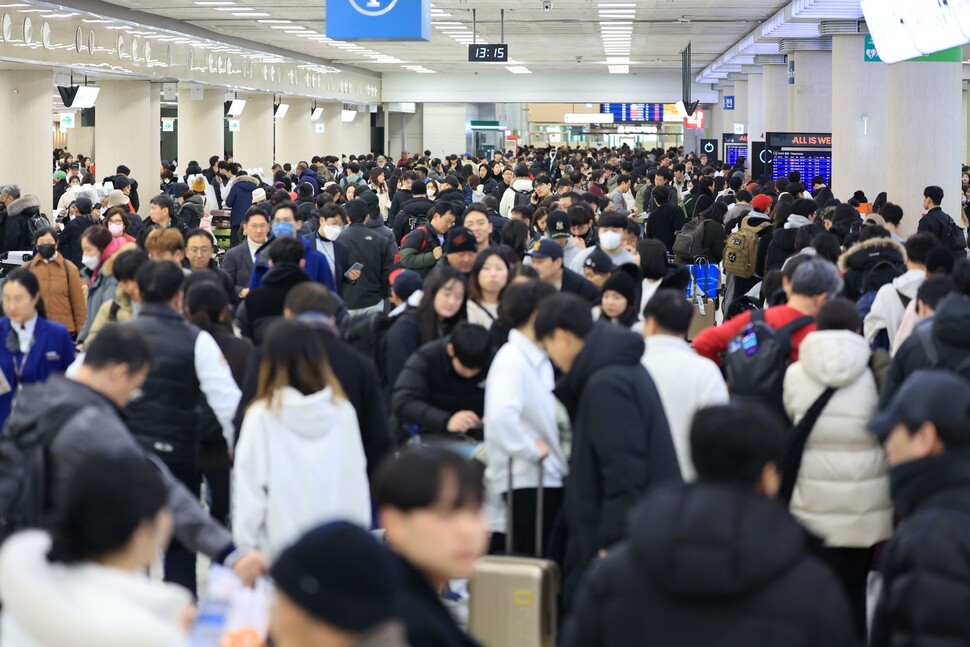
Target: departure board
(733,151)
(807,163)
(649,112)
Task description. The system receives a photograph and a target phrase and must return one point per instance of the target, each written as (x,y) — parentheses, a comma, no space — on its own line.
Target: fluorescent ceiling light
(250,15)
(316,114)
(233,9)
(619,69)
(274,22)
(281,110)
(214,3)
(236,107)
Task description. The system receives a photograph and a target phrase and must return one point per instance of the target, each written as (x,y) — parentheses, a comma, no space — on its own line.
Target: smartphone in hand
(355,266)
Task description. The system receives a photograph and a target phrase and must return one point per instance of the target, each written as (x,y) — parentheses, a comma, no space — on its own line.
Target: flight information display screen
(807,163)
(652,112)
(733,151)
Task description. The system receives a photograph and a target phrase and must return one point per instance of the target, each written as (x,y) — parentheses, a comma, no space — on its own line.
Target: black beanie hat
(622,282)
(340,574)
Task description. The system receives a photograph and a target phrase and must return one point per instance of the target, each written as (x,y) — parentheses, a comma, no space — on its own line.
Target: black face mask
(47,251)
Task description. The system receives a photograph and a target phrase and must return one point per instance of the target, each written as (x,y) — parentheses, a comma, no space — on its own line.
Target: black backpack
(366,333)
(757,359)
(953,237)
(522,198)
(24,476)
(37,222)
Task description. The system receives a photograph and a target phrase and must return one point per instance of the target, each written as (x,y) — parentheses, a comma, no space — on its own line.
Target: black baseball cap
(936,396)
(460,239)
(599,261)
(557,225)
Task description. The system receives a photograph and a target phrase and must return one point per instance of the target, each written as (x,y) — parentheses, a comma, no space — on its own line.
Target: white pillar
(860,129)
(755,125)
(810,98)
(715,126)
(201,124)
(444,128)
(741,108)
(128,132)
(774,97)
(295,133)
(26,106)
(252,146)
(345,137)
(922,121)
(80,141)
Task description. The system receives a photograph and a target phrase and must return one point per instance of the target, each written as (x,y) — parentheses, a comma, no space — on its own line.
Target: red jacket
(713,342)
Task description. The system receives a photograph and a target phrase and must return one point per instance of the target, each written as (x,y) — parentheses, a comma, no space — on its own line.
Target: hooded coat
(102,283)
(95,606)
(240,199)
(299,463)
(621,443)
(842,491)
(949,334)
(871,264)
(16,233)
(714,565)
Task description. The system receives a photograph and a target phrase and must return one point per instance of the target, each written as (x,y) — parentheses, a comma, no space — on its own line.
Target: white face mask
(332,231)
(90,262)
(610,239)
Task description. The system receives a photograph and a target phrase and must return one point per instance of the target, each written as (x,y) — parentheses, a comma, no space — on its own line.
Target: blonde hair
(160,241)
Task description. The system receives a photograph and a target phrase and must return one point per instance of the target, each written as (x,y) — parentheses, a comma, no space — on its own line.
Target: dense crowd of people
(732,410)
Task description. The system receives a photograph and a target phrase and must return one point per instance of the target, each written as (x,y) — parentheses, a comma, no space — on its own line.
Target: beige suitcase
(514,600)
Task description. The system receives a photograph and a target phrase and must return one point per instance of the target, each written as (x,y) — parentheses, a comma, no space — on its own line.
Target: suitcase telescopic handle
(539,509)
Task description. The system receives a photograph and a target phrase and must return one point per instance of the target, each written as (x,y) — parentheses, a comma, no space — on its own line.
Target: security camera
(547,5)
(579,59)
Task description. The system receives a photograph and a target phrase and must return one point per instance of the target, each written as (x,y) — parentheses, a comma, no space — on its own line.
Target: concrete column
(755,125)
(741,108)
(810,98)
(345,137)
(445,128)
(774,97)
(921,121)
(252,146)
(715,125)
(201,124)
(80,141)
(296,138)
(26,106)
(860,129)
(129,132)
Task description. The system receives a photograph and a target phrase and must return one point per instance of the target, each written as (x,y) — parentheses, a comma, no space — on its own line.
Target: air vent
(769,59)
(788,45)
(841,27)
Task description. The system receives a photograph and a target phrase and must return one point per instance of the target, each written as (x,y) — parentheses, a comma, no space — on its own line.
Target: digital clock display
(488,53)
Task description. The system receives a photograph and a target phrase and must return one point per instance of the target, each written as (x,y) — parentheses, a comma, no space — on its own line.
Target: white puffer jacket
(842,492)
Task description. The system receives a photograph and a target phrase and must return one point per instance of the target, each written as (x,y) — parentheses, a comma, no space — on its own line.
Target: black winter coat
(16,232)
(621,443)
(412,214)
(265,304)
(428,391)
(869,265)
(427,620)
(949,327)
(69,242)
(780,247)
(455,197)
(358,377)
(713,565)
(664,223)
(401,197)
(575,283)
(926,570)
(937,222)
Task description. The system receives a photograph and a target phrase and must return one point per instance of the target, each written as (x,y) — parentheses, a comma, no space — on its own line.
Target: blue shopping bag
(705,280)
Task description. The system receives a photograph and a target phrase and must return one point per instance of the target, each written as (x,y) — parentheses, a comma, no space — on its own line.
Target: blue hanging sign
(403,20)
(728,102)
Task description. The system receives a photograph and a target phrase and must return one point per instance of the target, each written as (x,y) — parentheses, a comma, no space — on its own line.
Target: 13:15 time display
(488,53)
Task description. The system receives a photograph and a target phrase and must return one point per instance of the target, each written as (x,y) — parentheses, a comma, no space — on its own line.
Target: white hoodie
(887,309)
(508,198)
(842,492)
(84,605)
(299,463)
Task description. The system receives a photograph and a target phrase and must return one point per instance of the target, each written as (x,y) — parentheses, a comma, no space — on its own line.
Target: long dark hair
(294,356)
(516,236)
(28,280)
(716,212)
(474,288)
(107,497)
(428,323)
(206,302)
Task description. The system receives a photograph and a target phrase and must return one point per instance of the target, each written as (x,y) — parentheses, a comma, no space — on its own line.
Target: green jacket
(417,250)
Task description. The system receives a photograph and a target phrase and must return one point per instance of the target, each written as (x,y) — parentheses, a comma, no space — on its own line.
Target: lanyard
(18,367)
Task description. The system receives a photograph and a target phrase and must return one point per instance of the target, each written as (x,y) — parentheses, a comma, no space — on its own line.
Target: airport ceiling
(607,35)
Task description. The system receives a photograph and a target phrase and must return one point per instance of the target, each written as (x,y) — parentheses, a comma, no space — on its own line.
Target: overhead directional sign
(168,125)
(379,20)
(67,120)
(320,128)
(234,126)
